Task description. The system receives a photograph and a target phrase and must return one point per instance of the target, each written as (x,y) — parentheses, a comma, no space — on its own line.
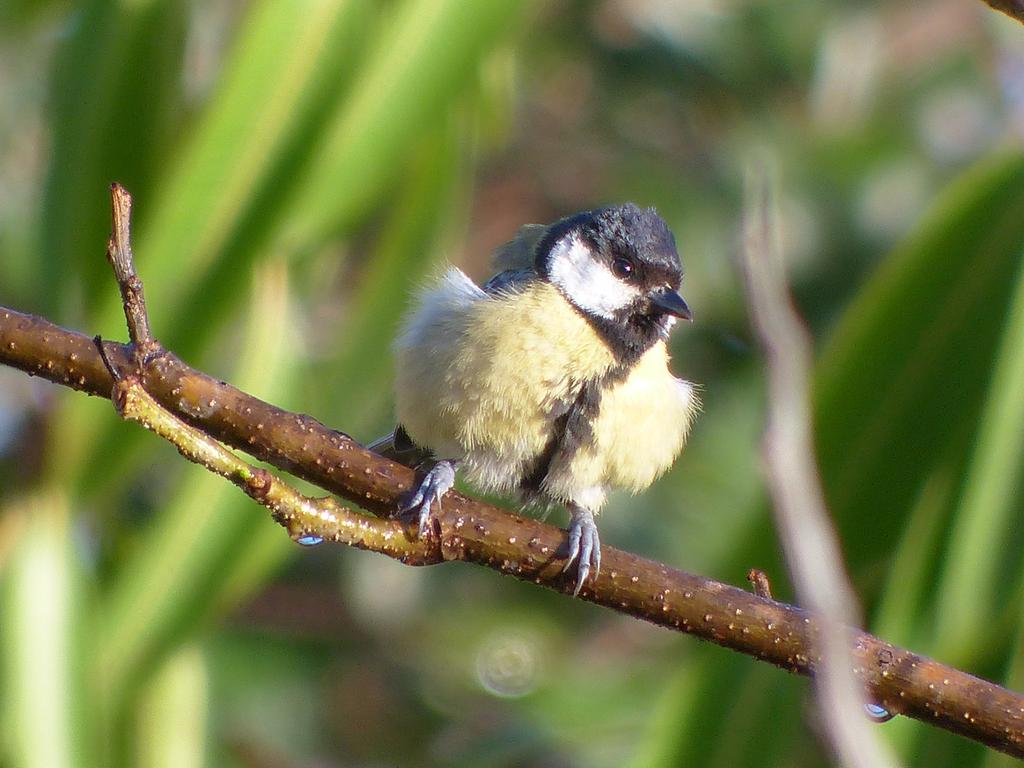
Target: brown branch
(780,634)
(302,516)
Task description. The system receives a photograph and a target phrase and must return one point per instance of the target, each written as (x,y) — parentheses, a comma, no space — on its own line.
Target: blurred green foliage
(299,166)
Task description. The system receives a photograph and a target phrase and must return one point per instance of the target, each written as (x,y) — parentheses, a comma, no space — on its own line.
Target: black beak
(671,303)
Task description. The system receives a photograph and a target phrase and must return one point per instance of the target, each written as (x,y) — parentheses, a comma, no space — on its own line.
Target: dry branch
(781,634)
(808,538)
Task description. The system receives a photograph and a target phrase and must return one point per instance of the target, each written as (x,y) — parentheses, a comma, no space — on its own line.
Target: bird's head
(619,267)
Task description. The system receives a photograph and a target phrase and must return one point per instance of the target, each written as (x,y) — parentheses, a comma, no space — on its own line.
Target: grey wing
(514,261)
(509,281)
(518,253)
(398,446)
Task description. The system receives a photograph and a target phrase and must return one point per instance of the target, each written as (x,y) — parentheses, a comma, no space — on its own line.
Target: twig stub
(759,581)
(119,254)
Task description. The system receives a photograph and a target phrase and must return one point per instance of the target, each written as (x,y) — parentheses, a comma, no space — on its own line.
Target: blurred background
(300,166)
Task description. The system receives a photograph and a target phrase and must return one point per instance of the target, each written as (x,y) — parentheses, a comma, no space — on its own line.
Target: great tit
(552,380)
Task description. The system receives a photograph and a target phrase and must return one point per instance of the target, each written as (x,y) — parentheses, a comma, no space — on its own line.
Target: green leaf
(718,692)
(173,714)
(986,520)
(109,124)
(906,374)
(411,237)
(426,56)
(284,75)
(46,720)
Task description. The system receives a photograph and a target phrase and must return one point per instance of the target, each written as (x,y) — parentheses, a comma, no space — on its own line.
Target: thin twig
(119,254)
(812,551)
(322,519)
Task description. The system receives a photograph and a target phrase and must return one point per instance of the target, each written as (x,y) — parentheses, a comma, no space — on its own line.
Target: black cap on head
(621,231)
(638,231)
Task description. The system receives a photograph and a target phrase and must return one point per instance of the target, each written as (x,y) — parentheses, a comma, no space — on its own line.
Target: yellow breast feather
(641,426)
(644,422)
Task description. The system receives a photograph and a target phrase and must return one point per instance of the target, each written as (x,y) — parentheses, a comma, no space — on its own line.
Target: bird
(551,381)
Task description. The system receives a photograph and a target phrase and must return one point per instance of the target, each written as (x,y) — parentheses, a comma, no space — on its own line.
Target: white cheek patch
(587,282)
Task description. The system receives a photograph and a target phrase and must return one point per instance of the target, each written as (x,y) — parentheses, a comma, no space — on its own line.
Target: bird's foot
(584,546)
(436,484)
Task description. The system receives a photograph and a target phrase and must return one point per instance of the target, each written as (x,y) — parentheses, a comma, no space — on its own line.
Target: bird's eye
(622,268)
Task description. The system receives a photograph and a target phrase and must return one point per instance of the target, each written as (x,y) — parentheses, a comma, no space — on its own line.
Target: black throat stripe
(570,430)
(628,339)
